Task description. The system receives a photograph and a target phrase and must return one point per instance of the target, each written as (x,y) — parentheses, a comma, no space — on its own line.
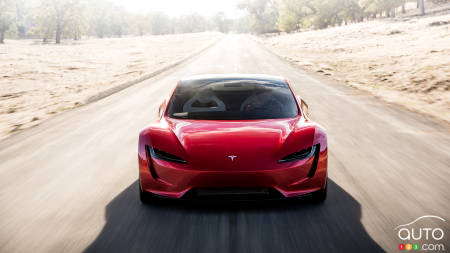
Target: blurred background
(79,79)
(52,20)
(374,44)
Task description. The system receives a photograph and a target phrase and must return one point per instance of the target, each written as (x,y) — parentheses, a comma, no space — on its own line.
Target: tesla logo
(232,157)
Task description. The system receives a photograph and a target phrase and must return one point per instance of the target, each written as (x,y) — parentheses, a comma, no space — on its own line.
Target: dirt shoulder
(405,62)
(38,81)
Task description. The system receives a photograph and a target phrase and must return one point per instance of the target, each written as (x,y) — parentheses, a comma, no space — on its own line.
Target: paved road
(69,185)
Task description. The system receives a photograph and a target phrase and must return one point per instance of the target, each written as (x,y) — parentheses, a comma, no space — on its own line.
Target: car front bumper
(292,179)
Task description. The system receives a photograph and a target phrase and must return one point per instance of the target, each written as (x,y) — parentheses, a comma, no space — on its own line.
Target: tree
(161,23)
(60,10)
(294,14)
(98,14)
(290,14)
(350,11)
(143,24)
(20,18)
(421,5)
(190,23)
(76,23)
(118,21)
(54,16)
(262,14)
(379,6)
(221,23)
(240,25)
(6,17)
(328,13)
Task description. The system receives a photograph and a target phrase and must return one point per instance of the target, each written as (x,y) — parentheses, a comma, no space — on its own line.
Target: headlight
(159,154)
(300,155)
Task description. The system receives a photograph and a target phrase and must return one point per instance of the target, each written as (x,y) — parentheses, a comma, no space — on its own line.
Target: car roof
(225,77)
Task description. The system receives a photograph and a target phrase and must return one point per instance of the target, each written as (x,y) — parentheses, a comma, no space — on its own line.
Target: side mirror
(161,108)
(304,107)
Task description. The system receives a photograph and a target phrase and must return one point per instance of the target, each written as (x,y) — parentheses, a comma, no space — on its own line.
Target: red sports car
(233,136)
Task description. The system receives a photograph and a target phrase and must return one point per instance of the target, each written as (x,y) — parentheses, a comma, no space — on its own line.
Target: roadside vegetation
(55,54)
(266,16)
(39,80)
(405,61)
(54,20)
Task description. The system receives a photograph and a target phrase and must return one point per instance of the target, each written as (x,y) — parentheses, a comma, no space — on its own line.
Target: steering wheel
(204,97)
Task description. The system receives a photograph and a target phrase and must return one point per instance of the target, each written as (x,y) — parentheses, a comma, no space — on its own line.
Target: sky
(175,8)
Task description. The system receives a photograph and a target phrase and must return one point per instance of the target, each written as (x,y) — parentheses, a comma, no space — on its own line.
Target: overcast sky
(180,7)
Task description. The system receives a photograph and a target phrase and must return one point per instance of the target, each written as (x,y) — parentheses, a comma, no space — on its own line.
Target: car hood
(239,145)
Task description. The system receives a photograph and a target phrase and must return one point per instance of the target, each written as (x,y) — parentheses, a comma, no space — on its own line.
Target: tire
(145,197)
(321,195)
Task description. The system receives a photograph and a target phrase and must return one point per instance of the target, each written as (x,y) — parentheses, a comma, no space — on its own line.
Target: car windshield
(232,99)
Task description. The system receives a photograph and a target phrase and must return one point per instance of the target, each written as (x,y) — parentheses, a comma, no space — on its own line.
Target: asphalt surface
(70,184)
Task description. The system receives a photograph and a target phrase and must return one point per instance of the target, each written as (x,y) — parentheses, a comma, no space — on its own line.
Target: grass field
(405,60)
(38,81)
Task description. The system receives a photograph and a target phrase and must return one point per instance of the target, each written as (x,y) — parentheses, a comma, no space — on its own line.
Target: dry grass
(402,61)
(38,81)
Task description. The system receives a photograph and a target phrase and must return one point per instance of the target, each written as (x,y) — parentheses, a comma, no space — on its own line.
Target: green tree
(349,11)
(118,21)
(98,14)
(54,15)
(290,15)
(190,23)
(378,6)
(327,13)
(7,16)
(262,15)
(77,23)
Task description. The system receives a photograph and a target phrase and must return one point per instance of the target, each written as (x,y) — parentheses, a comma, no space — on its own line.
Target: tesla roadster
(233,136)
